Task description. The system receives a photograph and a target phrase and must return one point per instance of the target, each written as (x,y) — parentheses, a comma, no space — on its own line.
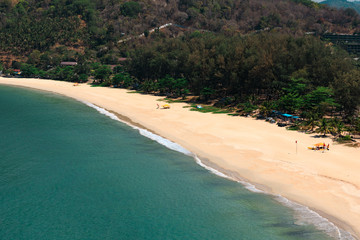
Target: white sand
(244,148)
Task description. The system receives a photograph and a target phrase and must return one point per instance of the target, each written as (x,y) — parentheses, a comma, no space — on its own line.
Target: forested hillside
(247,55)
(28,25)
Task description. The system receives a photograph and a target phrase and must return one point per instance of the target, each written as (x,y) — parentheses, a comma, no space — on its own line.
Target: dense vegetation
(93,27)
(248,55)
(262,71)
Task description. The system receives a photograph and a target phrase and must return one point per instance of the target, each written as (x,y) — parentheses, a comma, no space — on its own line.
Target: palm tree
(354,127)
(312,121)
(337,127)
(357,126)
(324,127)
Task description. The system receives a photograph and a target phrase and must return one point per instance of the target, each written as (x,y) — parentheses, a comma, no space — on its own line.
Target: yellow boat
(319,146)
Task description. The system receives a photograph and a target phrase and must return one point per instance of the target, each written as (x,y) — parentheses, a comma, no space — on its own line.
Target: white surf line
(163,141)
(303,214)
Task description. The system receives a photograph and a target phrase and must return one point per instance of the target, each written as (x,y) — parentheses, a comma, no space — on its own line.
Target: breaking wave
(303,215)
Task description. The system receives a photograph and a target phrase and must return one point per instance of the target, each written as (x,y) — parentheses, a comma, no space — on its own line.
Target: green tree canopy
(102,73)
(130,9)
(347,91)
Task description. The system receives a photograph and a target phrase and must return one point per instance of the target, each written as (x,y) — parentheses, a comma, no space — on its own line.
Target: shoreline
(233,176)
(242,148)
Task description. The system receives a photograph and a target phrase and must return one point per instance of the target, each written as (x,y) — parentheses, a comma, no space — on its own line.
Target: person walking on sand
(157,106)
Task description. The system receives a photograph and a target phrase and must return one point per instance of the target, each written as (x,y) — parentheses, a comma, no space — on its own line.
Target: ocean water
(69,172)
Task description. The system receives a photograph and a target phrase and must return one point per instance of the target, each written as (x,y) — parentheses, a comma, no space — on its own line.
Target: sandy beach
(243,148)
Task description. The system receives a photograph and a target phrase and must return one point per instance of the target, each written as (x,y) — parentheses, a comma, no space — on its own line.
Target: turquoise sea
(69,172)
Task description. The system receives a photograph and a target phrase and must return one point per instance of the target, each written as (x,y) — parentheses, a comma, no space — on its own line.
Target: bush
(226,101)
(247,108)
(83,78)
(130,9)
(28,70)
(344,139)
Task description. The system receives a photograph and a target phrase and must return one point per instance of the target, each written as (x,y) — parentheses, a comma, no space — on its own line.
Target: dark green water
(68,172)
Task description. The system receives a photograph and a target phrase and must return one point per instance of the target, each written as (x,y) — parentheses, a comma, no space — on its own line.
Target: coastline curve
(303,214)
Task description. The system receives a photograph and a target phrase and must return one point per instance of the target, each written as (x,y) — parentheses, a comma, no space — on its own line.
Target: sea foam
(163,141)
(303,214)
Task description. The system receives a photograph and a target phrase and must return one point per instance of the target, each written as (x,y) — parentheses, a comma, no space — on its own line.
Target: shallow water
(68,172)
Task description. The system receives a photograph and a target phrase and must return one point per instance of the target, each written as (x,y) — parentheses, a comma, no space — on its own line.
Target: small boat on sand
(319,146)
